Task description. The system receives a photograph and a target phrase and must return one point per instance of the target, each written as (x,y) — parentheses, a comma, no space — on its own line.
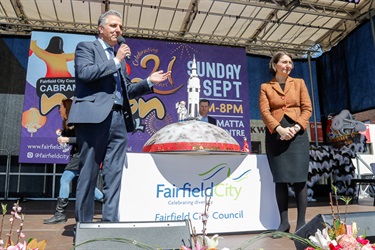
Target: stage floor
(60,236)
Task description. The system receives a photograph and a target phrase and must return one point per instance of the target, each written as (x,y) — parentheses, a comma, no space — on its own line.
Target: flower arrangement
(203,242)
(20,244)
(339,235)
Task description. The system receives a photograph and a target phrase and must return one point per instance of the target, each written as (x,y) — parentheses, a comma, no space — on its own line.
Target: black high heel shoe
(286,230)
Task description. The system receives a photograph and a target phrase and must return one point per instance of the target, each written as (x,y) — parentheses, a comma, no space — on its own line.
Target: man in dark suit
(102,116)
(204,106)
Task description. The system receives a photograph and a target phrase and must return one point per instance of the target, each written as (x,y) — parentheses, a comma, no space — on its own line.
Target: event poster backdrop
(50,78)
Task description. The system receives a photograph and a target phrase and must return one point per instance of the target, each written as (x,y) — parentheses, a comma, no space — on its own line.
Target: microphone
(121,40)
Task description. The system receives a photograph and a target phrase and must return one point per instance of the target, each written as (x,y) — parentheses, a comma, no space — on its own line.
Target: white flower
(210,243)
(321,239)
(354,229)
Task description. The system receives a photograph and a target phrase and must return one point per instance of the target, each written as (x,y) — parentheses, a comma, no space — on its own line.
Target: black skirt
(73,163)
(288,160)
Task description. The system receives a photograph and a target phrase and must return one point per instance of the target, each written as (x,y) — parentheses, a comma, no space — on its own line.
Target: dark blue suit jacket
(95,86)
(211,120)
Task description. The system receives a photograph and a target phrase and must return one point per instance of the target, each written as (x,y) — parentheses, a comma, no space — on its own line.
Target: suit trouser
(101,143)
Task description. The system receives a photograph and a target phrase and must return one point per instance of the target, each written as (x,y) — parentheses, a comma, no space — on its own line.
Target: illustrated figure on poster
(181,111)
(54,57)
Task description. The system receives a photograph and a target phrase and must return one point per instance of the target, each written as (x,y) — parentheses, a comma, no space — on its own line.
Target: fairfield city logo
(230,187)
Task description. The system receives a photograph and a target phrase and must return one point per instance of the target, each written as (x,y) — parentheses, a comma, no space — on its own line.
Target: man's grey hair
(103,19)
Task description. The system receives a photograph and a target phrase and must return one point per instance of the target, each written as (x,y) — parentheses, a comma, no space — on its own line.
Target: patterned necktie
(118,92)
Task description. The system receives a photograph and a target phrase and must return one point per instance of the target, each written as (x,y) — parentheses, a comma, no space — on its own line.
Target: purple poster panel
(50,78)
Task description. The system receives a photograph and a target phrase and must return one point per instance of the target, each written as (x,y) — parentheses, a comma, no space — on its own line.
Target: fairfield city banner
(50,78)
(239,189)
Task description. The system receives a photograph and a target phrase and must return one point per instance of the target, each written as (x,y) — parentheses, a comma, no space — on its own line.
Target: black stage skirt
(288,160)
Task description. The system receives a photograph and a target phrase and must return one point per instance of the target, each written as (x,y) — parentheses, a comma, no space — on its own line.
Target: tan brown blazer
(294,102)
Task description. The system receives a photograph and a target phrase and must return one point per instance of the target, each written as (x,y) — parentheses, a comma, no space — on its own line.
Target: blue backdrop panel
(345,74)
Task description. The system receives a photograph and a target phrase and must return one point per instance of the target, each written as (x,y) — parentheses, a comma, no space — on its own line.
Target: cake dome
(193,136)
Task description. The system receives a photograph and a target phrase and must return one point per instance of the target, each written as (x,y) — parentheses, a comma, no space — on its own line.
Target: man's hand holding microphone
(123,51)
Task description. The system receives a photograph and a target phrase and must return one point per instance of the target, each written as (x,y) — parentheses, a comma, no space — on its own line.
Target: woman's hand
(286,133)
(62,140)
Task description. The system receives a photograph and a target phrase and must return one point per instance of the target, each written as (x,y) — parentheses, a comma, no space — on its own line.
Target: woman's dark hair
(275,59)
(67,103)
(56,45)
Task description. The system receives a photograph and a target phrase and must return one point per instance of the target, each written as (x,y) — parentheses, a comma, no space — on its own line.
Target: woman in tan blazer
(285,108)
